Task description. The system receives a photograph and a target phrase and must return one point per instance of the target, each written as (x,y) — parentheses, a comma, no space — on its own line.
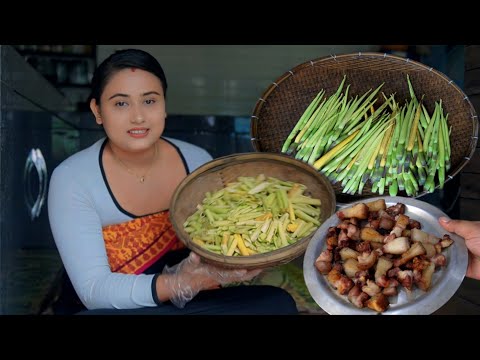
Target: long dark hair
(121,59)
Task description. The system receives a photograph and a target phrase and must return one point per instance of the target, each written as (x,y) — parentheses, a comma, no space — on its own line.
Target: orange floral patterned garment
(135,245)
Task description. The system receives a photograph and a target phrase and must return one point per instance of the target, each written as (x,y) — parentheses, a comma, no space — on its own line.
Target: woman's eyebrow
(115,95)
(125,95)
(151,92)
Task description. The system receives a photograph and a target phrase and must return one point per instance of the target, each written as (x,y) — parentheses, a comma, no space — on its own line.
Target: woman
(108,209)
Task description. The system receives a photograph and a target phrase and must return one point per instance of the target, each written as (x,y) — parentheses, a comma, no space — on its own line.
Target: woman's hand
(186,279)
(470,231)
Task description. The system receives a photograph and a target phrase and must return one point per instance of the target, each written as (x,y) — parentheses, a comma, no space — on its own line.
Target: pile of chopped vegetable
(253,215)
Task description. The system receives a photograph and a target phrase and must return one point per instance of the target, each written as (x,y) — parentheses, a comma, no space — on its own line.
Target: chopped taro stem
(253,215)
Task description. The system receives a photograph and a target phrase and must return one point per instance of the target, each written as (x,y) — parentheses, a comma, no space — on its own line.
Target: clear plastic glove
(187,278)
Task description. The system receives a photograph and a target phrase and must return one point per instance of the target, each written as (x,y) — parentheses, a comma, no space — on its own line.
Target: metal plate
(446,280)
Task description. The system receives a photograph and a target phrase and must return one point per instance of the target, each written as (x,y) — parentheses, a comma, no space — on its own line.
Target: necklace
(141,178)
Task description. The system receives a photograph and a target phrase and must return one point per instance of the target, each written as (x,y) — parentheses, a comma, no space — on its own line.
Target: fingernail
(444,220)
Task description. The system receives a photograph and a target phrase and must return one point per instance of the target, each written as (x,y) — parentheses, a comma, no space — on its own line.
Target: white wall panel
(226,79)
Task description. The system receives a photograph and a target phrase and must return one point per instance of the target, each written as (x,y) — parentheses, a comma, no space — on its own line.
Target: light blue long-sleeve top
(79,206)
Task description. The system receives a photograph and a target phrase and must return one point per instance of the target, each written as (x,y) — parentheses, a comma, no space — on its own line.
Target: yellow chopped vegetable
(292,227)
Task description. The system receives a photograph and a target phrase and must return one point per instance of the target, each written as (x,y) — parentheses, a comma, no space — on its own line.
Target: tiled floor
(31,281)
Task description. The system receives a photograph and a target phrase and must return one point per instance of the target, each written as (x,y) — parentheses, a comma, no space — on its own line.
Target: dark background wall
(470,194)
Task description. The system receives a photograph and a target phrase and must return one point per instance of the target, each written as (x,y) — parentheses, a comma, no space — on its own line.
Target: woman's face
(132,109)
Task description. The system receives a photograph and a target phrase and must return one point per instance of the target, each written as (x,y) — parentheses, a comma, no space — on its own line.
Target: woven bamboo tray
(281,105)
(217,173)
